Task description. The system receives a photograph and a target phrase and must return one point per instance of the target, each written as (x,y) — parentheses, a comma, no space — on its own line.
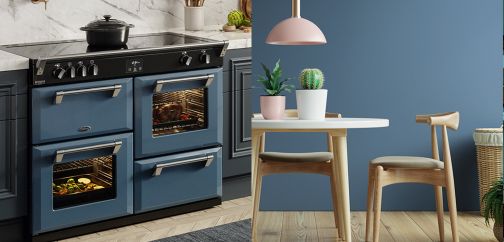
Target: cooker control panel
(104,67)
(70,70)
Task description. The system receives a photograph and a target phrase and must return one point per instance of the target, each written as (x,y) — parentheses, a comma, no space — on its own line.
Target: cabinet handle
(209,78)
(159,167)
(61,153)
(61,94)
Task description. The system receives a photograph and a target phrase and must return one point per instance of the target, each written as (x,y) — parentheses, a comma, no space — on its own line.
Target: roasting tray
(108,192)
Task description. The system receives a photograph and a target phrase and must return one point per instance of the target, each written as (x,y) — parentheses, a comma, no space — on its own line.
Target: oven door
(81,181)
(177,179)
(177,112)
(80,110)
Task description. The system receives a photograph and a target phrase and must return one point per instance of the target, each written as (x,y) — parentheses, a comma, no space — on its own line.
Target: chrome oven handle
(61,153)
(209,78)
(61,94)
(159,167)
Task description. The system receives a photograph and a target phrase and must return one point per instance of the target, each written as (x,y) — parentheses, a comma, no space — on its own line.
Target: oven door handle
(61,153)
(209,78)
(159,167)
(60,94)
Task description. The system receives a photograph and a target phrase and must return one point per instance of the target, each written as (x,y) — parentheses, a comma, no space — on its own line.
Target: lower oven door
(177,112)
(81,181)
(177,179)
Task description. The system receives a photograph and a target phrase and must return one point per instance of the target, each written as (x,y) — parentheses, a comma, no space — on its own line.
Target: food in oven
(179,111)
(71,187)
(168,112)
(83,181)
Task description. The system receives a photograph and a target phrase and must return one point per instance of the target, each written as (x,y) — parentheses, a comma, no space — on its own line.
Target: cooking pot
(107,32)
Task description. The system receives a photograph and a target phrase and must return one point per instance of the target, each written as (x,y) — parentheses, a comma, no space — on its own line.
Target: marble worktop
(237,40)
(11,62)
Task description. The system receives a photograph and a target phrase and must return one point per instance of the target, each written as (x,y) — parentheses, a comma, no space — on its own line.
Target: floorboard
(299,226)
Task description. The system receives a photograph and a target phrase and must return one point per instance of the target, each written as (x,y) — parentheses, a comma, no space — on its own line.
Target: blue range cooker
(121,132)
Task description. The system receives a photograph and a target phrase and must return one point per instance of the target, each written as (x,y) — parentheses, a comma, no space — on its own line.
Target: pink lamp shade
(296,31)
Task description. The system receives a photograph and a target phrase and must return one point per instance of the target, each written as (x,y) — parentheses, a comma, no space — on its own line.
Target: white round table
(337,130)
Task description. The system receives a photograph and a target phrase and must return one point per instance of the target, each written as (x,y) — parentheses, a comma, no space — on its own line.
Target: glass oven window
(83,181)
(179,111)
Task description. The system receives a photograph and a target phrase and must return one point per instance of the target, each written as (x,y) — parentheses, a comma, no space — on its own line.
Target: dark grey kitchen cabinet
(237,113)
(237,134)
(13,149)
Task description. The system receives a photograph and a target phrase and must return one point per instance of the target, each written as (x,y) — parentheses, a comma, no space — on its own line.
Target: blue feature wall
(389,59)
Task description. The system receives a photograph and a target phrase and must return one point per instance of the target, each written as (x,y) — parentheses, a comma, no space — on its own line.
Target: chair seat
(407,162)
(296,157)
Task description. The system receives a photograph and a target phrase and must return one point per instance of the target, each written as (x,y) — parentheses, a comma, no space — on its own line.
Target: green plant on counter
(311,79)
(236,17)
(493,203)
(272,81)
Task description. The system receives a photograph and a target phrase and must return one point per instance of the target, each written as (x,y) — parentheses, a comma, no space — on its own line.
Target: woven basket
(489,156)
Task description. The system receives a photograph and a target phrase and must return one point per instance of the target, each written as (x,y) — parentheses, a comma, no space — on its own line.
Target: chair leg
(370,193)
(439,208)
(452,206)
(257,202)
(334,193)
(377,203)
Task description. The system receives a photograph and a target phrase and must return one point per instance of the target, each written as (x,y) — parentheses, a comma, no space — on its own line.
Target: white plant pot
(311,104)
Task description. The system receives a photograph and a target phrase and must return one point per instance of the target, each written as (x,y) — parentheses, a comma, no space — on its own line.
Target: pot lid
(107,23)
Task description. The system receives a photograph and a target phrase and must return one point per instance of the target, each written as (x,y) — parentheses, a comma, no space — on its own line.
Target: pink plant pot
(273,107)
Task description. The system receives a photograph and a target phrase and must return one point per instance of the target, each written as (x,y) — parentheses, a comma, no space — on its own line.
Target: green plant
(272,81)
(236,17)
(311,79)
(493,203)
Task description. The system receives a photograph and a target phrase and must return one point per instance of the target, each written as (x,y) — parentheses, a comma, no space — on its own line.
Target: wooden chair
(281,163)
(389,170)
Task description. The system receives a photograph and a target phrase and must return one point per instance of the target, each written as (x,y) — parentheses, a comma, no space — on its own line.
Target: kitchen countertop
(237,40)
(11,62)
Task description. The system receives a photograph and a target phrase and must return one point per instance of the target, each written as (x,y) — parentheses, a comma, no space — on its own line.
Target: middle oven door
(177,112)
(81,181)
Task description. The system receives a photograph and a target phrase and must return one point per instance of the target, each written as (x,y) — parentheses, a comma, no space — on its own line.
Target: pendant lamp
(296,30)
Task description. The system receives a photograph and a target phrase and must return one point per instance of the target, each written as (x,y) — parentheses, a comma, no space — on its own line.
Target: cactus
(311,79)
(236,17)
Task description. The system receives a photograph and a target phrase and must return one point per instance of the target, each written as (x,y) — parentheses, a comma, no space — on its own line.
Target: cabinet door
(237,118)
(13,144)
(12,169)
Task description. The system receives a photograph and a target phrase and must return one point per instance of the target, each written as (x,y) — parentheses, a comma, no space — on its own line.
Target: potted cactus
(273,104)
(312,99)
(493,208)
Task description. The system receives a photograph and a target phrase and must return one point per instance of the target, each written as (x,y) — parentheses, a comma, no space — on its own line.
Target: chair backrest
(445,120)
(293,113)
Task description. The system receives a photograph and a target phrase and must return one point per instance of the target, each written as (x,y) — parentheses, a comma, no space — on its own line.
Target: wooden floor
(299,226)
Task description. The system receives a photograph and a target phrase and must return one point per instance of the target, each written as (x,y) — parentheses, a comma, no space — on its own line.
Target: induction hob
(81,47)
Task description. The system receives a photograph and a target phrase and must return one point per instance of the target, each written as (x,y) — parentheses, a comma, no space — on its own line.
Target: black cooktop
(80,47)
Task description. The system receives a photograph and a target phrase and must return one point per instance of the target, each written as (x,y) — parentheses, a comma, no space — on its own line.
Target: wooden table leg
(340,154)
(256,147)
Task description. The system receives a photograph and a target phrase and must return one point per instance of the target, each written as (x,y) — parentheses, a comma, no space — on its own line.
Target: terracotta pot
(497,229)
(273,107)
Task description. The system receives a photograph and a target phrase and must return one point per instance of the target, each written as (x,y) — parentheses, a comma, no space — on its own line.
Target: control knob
(185,59)
(58,72)
(93,69)
(70,70)
(81,69)
(205,57)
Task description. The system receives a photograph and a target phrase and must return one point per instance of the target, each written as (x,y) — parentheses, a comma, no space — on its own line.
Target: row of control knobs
(71,71)
(186,59)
